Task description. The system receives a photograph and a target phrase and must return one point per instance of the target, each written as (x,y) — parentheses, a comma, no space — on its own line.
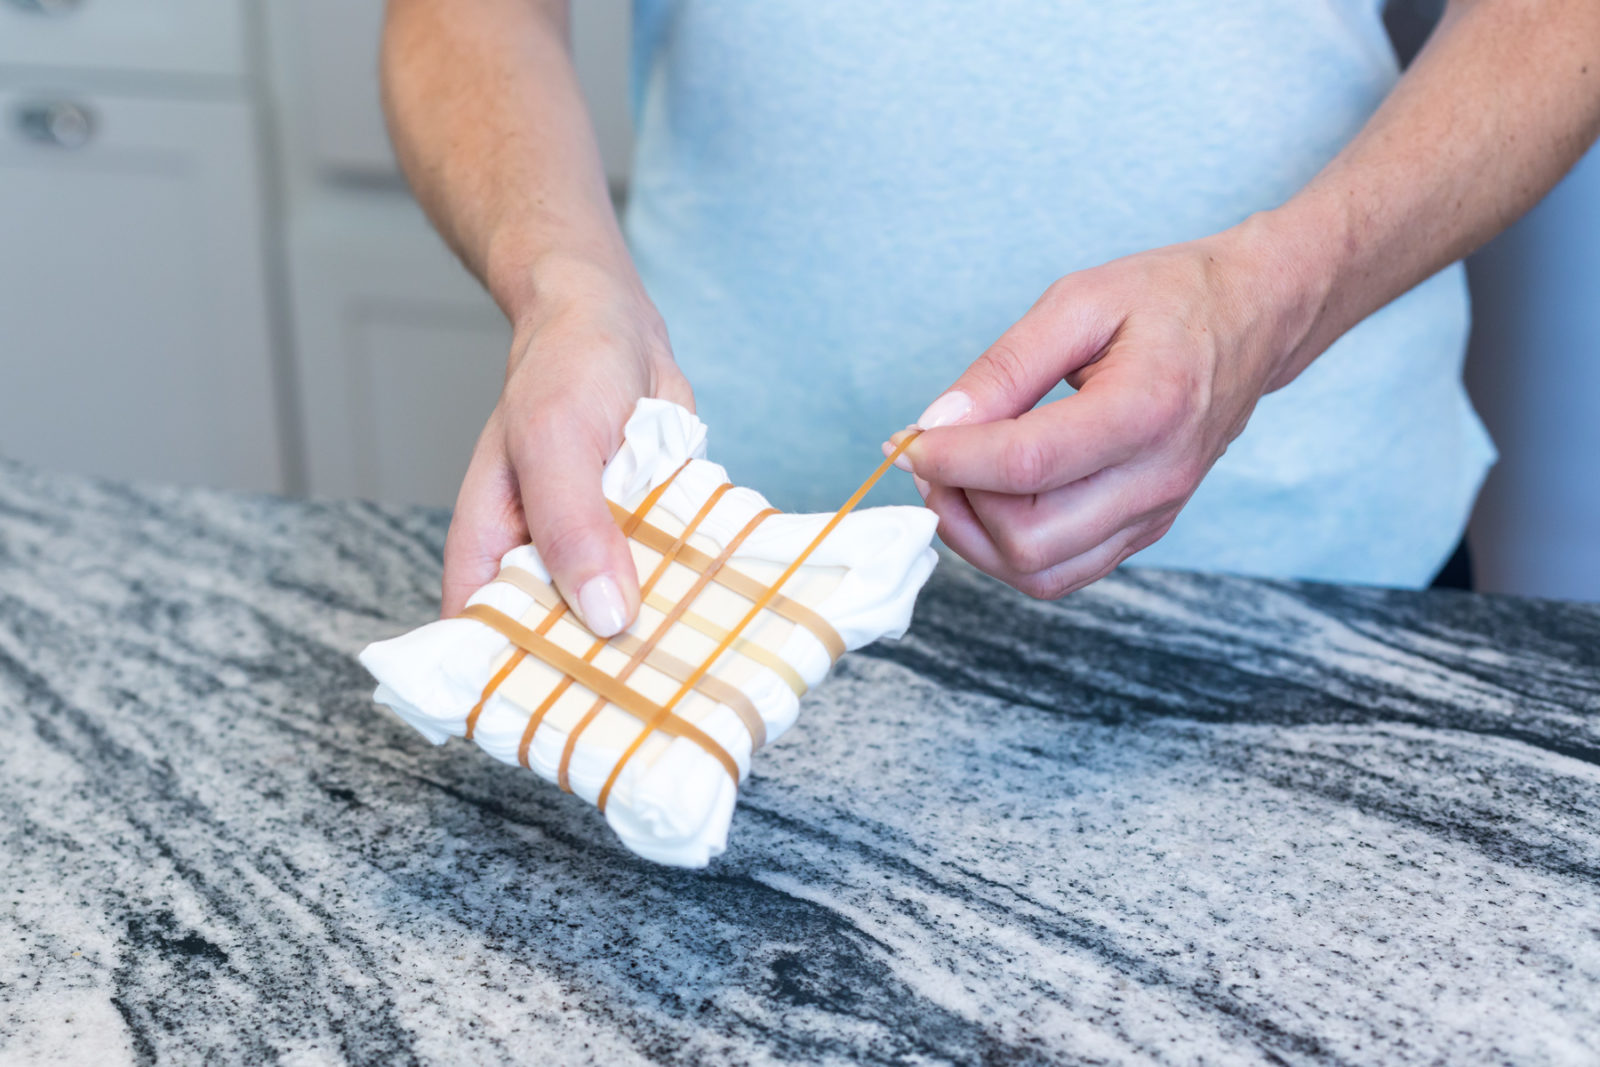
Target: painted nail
(948,410)
(899,461)
(601,603)
(922,486)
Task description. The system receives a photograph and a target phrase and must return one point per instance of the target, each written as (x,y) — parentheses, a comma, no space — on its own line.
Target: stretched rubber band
(666,624)
(630,520)
(593,651)
(651,724)
(736,580)
(745,647)
(544,594)
(597,681)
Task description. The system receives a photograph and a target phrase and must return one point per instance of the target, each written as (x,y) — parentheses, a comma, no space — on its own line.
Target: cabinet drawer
(147,36)
(133,316)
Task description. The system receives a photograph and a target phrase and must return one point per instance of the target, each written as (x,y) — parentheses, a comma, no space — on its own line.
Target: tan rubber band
(632,519)
(588,657)
(662,564)
(713,687)
(544,594)
(755,609)
(599,682)
(495,681)
(656,538)
(746,648)
(661,630)
(718,690)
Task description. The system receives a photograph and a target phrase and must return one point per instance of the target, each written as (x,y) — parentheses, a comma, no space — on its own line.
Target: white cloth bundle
(672,800)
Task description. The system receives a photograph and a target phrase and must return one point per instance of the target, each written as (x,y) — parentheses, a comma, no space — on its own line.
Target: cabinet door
(400,353)
(147,36)
(133,321)
(331,48)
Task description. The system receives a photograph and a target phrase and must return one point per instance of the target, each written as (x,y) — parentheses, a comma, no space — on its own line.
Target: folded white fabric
(643,724)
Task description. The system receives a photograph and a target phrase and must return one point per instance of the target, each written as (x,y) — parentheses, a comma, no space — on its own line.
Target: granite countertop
(1175,819)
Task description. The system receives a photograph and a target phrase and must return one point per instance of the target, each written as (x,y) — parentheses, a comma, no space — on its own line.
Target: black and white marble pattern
(1175,819)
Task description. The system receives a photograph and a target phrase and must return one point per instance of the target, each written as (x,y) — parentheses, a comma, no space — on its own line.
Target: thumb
(570,524)
(1060,333)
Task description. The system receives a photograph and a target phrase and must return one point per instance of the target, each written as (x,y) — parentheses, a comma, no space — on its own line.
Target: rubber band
(629,522)
(651,724)
(745,647)
(544,594)
(746,586)
(666,624)
(594,650)
(598,681)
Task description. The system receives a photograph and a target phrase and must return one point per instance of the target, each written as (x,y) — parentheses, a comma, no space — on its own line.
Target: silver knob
(47,7)
(57,122)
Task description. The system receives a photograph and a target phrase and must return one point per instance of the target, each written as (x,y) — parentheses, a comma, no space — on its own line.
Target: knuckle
(1150,536)
(1003,369)
(1165,409)
(1021,548)
(569,546)
(1045,586)
(1024,464)
(1172,486)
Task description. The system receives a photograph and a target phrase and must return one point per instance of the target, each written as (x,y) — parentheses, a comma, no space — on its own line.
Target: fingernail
(948,410)
(900,460)
(922,486)
(601,603)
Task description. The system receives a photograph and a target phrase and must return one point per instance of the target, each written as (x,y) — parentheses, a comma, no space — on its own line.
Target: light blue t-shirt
(839,204)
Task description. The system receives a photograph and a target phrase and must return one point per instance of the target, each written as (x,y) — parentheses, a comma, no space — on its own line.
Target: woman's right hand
(592,345)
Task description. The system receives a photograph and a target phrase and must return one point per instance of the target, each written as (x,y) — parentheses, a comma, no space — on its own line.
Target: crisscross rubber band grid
(612,689)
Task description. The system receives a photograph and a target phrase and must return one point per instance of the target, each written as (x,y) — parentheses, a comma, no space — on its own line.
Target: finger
(1034,532)
(559,454)
(962,530)
(486,524)
(1067,327)
(1105,423)
(1069,576)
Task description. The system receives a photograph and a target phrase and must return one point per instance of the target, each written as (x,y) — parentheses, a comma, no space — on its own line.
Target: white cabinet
(148,36)
(401,354)
(134,335)
(331,55)
(211,272)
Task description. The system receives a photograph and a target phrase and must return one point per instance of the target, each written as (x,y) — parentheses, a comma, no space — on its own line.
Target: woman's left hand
(1168,350)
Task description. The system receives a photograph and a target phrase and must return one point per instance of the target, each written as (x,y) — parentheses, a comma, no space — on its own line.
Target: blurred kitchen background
(211,273)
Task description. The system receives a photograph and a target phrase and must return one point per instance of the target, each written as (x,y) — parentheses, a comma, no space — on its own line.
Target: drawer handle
(47,7)
(60,123)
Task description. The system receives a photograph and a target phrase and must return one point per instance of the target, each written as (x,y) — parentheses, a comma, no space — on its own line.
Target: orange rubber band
(592,677)
(665,625)
(760,605)
(629,523)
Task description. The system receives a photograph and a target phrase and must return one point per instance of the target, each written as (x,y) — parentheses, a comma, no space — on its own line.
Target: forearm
(490,127)
(1498,106)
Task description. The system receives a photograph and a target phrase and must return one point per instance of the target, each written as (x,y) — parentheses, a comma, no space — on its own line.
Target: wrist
(1287,263)
(575,300)
(529,277)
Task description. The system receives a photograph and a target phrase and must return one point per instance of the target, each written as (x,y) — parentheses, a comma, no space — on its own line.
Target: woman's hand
(1169,351)
(589,350)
